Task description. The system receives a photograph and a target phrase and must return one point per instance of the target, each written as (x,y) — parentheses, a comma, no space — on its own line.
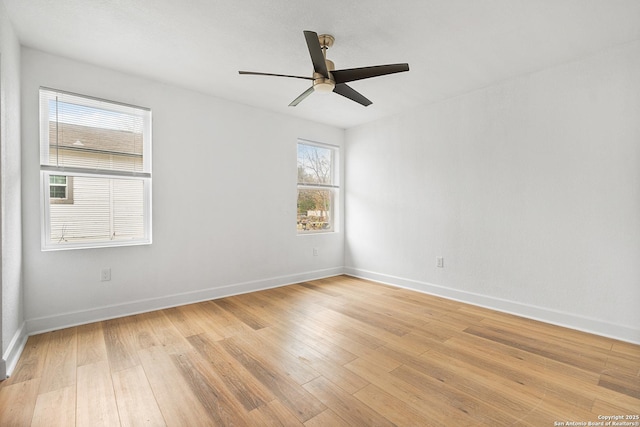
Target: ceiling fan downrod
(321,83)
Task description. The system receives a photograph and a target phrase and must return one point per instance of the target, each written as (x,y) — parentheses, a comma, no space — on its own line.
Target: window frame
(47,170)
(333,187)
(68,186)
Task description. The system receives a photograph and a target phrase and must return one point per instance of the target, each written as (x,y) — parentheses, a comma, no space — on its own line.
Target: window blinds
(85,134)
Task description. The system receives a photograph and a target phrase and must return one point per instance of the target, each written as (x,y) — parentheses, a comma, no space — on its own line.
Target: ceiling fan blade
(252,73)
(351,74)
(299,99)
(352,94)
(315,50)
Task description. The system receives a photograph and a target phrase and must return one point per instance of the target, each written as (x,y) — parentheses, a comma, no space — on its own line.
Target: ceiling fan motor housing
(321,83)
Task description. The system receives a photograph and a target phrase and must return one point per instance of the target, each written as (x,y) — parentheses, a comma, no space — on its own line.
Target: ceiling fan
(327,79)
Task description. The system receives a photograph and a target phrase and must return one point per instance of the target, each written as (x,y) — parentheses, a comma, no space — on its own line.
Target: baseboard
(65,320)
(555,317)
(14,350)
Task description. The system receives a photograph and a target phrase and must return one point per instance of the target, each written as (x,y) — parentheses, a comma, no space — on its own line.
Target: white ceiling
(452,46)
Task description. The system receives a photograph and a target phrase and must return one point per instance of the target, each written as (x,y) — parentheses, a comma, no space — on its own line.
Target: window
(60,189)
(95,168)
(317,187)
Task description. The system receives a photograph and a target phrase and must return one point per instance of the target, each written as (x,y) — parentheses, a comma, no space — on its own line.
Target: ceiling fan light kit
(327,79)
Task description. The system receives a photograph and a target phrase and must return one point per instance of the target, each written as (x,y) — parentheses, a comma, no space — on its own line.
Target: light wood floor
(332,352)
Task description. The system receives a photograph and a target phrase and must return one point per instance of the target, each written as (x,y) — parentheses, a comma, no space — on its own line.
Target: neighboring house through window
(95,166)
(61,189)
(317,187)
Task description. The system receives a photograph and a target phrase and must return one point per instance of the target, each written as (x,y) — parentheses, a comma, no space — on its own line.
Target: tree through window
(317,187)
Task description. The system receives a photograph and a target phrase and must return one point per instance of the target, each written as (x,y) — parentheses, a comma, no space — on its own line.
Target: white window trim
(334,187)
(47,170)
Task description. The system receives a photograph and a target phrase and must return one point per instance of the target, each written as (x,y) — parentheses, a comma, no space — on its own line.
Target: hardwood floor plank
(55,408)
(623,362)
(349,381)
(631,350)
(601,407)
(144,336)
(423,311)
(182,320)
(368,315)
(435,307)
(316,340)
(556,337)
(434,330)
(405,314)
(471,381)
(523,359)
(59,368)
(200,320)
(537,328)
(235,307)
(91,345)
(209,389)
(227,325)
(591,362)
(528,395)
(136,403)
(177,402)
(32,360)
(305,329)
(476,410)
(272,355)
(394,409)
(433,406)
(347,407)
(385,362)
(274,414)
(307,300)
(555,384)
(167,335)
(96,401)
(416,343)
(121,344)
(355,287)
(247,390)
(318,287)
(291,394)
(17,402)
(620,382)
(325,419)
(349,328)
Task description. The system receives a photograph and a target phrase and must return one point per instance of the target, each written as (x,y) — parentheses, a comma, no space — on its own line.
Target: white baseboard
(65,320)
(555,317)
(14,350)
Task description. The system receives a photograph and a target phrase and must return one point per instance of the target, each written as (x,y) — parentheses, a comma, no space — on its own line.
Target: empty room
(337,213)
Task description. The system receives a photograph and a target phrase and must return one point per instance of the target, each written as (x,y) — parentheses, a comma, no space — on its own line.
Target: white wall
(12,318)
(529,189)
(215,165)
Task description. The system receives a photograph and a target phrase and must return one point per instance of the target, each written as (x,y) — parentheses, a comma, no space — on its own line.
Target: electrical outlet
(440,262)
(105,275)
(315,251)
